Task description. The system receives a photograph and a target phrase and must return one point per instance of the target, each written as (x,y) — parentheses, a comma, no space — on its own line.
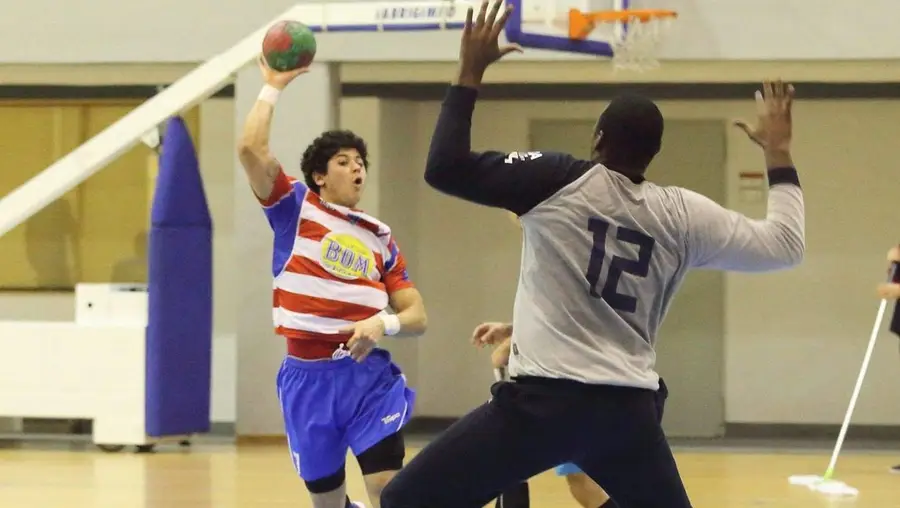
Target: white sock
(337,498)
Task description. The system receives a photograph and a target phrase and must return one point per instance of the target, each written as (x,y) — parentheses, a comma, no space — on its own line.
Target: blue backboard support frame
(516,35)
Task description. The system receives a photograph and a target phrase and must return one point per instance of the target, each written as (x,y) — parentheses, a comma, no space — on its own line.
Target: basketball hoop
(636,37)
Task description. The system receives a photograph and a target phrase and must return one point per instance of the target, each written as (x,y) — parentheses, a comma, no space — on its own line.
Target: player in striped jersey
(336,272)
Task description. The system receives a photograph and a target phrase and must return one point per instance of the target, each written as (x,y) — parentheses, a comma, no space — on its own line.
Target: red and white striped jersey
(332,265)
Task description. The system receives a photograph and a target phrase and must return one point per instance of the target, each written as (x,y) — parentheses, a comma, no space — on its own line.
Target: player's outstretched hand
(890,290)
(480,46)
(277,79)
(366,334)
(773,117)
(492,333)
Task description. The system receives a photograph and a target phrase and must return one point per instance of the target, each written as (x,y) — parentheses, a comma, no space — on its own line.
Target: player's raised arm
(724,239)
(517,181)
(262,169)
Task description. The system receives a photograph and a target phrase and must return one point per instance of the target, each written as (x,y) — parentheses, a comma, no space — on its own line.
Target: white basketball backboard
(545,24)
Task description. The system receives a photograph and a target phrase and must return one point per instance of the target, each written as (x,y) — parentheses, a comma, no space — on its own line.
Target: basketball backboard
(547,24)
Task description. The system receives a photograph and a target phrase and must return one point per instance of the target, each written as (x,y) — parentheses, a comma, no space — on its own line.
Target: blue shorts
(331,405)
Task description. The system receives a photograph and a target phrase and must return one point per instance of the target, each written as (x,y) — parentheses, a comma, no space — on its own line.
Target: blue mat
(179,330)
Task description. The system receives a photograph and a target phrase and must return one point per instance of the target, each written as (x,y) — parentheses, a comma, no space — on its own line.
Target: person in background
(891,291)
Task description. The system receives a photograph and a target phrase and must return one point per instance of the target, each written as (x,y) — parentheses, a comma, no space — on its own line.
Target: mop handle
(894,272)
(857,389)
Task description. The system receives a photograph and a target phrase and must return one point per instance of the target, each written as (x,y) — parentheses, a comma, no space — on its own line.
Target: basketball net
(638,33)
(637,50)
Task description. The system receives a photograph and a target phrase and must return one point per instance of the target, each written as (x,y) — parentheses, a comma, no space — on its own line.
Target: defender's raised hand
(480,45)
(774,123)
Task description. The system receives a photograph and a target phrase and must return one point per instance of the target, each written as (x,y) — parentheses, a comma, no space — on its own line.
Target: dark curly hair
(323,148)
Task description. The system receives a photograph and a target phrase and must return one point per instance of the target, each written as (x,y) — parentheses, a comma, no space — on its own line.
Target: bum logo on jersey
(345,256)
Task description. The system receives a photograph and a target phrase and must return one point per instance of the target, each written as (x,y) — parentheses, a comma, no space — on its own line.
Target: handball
(289,45)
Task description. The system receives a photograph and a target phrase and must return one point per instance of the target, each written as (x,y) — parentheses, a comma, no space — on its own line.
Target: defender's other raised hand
(773,116)
(774,123)
(480,46)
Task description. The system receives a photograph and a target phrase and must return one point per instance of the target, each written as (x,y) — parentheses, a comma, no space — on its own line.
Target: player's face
(343,183)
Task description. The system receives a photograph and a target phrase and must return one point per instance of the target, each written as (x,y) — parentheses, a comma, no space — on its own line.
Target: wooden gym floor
(260,476)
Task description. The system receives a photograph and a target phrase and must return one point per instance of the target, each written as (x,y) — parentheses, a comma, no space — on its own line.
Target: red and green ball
(289,45)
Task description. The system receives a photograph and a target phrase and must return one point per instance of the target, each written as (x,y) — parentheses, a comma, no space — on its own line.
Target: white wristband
(391,323)
(269,94)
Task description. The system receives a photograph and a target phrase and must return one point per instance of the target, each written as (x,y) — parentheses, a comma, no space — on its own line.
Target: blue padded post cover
(179,329)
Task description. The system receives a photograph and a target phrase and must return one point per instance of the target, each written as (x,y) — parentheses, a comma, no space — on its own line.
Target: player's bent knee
(326,484)
(388,497)
(376,482)
(586,491)
(385,455)
(397,494)
(577,482)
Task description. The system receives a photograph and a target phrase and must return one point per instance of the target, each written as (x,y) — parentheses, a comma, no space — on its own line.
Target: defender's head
(628,135)
(334,166)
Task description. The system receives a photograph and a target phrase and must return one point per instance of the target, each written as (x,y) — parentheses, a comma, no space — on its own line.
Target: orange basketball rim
(581,24)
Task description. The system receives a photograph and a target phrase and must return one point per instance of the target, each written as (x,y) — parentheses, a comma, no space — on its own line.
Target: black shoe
(515,497)
(896,469)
